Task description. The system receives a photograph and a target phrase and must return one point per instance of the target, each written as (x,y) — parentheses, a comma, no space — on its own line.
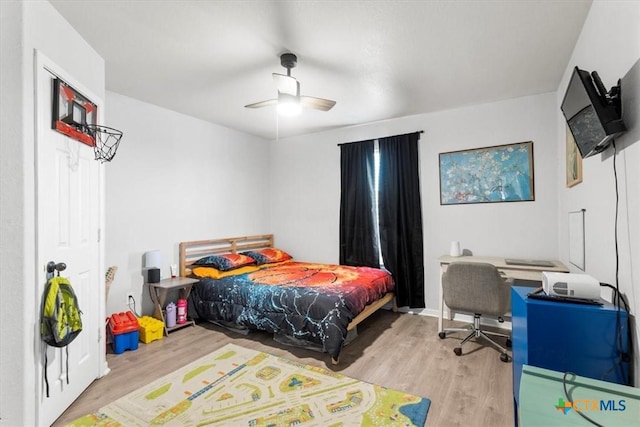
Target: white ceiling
(378,59)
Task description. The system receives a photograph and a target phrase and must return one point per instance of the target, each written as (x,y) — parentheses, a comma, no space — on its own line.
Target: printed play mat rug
(235,386)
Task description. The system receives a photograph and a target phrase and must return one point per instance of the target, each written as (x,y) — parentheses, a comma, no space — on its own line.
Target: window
(376,198)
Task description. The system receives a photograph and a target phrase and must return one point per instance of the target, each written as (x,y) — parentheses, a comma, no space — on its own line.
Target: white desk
(510,271)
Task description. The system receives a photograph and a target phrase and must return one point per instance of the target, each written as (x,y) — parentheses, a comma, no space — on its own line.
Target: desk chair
(477,288)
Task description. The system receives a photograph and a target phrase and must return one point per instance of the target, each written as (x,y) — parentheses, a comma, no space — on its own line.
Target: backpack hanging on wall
(60,321)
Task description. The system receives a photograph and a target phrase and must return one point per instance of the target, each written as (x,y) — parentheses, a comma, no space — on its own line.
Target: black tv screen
(593,115)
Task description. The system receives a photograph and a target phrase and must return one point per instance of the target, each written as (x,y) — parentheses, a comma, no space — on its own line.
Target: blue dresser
(584,339)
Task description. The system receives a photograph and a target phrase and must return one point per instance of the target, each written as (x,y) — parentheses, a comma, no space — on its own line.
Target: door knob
(53,266)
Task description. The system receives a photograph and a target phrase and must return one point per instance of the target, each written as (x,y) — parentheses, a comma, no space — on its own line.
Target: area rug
(235,386)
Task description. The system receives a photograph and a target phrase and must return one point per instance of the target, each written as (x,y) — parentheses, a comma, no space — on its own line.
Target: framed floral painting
(502,173)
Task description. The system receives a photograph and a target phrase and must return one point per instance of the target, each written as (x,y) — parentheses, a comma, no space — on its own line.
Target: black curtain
(401,217)
(357,223)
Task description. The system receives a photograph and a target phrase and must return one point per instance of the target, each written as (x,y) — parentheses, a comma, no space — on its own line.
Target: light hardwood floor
(400,351)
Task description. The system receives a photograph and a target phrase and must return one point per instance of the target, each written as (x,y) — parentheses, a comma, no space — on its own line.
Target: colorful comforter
(310,302)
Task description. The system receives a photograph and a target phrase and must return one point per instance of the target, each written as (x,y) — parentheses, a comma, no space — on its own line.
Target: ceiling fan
(289,100)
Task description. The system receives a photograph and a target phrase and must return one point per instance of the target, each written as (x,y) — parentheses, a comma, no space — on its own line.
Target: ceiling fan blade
(317,103)
(286,84)
(262,104)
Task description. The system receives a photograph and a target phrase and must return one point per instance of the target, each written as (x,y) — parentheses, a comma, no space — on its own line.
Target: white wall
(609,44)
(27,26)
(176,178)
(305,173)
(13,244)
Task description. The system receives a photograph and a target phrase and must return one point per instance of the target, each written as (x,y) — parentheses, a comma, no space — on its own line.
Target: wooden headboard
(194,250)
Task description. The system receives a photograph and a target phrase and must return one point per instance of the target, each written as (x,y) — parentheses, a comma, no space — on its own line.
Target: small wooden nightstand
(159,293)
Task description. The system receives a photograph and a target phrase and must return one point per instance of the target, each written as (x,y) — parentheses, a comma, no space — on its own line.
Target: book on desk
(529,262)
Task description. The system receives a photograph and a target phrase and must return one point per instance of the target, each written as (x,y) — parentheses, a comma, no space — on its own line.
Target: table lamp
(152,263)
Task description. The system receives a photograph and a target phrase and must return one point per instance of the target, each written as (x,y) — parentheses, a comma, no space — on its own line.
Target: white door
(68,181)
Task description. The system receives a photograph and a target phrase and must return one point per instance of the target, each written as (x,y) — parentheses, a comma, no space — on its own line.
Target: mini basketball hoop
(106,141)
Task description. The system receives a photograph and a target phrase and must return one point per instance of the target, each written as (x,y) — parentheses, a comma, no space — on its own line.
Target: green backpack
(60,321)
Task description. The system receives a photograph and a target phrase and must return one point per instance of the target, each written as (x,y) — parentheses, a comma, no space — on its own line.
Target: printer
(570,285)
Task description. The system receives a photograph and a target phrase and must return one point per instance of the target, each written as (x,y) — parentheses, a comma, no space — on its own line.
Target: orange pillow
(214,273)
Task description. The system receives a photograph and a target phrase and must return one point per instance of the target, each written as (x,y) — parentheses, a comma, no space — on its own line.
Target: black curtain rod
(354,142)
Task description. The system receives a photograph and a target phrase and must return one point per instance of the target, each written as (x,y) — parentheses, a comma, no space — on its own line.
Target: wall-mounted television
(594,115)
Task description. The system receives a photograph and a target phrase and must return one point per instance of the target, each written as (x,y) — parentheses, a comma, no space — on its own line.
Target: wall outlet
(130,299)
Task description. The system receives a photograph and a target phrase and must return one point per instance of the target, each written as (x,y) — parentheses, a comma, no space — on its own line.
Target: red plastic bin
(125,330)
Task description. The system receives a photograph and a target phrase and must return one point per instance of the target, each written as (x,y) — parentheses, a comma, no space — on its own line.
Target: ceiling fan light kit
(289,101)
(288,105)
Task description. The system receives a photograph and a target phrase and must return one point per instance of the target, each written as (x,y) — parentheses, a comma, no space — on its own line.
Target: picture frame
(573,161)
(72,112)
(501,173)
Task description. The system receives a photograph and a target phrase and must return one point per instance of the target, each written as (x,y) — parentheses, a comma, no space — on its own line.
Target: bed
(308,302)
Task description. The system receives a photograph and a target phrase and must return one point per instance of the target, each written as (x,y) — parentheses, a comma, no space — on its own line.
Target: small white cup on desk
(455,249)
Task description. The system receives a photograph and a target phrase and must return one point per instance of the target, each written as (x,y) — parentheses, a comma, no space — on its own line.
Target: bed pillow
(225,262)
(214,273)
(268,256)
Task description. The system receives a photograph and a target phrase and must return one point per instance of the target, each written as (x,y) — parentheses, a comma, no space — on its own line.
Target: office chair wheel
(442,335)
(504,357)
(457,351)
(508,343)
